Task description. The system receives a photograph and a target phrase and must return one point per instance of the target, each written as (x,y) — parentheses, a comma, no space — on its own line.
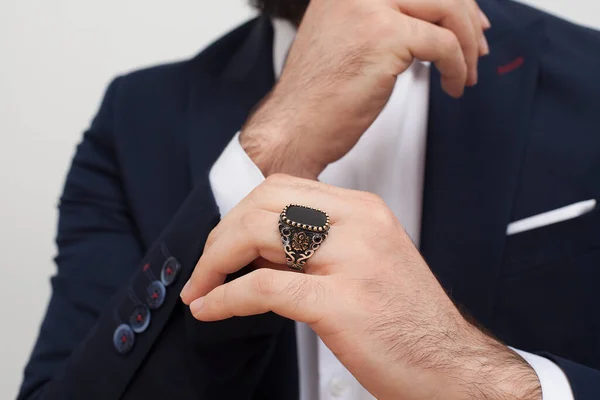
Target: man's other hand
(341,71)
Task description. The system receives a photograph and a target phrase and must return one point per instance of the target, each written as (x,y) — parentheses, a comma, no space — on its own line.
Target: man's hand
(341,71)
(367,293)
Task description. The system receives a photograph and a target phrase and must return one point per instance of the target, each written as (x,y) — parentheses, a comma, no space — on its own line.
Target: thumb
(290,294)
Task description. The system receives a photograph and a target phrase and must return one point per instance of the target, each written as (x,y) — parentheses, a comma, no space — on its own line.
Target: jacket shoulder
(570,55)
(559,31)
(169,84)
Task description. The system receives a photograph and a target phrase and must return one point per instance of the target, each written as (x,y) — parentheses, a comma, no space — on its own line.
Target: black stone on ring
(303,229)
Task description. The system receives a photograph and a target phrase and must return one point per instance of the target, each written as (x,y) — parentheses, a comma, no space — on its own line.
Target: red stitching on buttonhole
(511,66)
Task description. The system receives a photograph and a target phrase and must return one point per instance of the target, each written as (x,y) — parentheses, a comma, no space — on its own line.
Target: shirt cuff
(233,176)
(555,384)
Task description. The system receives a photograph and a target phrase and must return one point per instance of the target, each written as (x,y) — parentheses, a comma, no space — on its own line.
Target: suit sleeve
(585,381)
(104,272)
(98,248)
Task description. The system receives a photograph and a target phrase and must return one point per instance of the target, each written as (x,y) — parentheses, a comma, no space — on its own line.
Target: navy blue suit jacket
(525,140)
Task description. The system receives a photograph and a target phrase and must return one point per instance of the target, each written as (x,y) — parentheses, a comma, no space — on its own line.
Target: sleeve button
(123,339)
(155,295)
(139,318)
(170,271)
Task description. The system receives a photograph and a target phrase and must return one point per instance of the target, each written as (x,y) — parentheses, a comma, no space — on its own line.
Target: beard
(292,10)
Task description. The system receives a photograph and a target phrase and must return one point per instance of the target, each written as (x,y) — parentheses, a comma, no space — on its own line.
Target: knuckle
(382,215)
(473,7)
(374,198)
(258,192)
(376,31)
(447,6)
(448,42)
(250,220)
(246,221)
(265,189)
(473,12)
(277,179)
(455,6)
(264,282)
(470,50)
(414,27)
(211,239)
(299,289)
(368,200)
(383,24)
(220,299)
(471,47)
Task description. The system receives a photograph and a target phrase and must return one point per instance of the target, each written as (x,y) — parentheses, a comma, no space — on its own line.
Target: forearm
(464,362)
(494,371)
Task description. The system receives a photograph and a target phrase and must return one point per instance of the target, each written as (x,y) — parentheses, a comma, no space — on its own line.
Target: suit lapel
(229,357)
(475,149)
(223,94)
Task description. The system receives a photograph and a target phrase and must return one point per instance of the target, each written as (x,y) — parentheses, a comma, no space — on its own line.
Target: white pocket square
(551,217)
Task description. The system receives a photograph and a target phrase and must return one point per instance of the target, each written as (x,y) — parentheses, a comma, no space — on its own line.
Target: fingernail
(485,22)
(184,291)
(484,45)
(197,305)
(475,78)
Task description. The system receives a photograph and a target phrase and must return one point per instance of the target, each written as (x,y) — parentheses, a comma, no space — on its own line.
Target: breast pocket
(551,237)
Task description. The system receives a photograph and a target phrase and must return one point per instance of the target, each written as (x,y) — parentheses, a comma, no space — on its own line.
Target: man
(496,184)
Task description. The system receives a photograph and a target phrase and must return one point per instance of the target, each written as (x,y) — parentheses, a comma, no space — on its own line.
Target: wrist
(492,370)
(273,158)
(268,138)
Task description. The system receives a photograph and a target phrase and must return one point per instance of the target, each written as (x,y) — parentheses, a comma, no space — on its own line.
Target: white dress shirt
(388,160)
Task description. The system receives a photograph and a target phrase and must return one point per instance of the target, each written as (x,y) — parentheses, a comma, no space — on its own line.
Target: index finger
(429,42)
(250,230)
(240,244)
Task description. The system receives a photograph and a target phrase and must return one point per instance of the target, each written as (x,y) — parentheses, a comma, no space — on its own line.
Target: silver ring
(303,229)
